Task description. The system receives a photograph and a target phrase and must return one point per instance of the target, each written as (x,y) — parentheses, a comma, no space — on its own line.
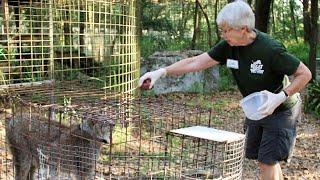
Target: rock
(203,81)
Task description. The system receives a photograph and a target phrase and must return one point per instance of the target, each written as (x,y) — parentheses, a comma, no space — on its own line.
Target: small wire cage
(136,138)
(205,153)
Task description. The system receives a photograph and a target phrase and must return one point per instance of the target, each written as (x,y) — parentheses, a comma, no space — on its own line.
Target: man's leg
(270,172)
(278,141)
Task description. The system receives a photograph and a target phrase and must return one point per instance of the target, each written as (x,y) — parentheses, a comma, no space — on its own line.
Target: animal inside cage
(94,136)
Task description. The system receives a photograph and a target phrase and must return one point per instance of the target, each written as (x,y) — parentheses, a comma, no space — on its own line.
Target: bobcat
(73,150)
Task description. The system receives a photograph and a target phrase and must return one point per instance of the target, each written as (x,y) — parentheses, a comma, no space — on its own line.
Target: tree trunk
(313,38)
(180,23)
(139,12)
(184,18)
(273,18)
(196,26)
(262,14)
(208,23)
(294,25)
(215,22)
(306,20)
(283,19)
(184,26)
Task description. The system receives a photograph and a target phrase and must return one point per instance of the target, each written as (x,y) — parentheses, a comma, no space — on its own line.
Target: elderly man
(258,63)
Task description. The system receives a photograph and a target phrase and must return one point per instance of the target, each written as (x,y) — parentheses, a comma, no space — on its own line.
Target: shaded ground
(306,161)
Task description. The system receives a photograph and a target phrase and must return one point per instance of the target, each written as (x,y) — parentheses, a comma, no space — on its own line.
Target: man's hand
(151,78)
(273,101)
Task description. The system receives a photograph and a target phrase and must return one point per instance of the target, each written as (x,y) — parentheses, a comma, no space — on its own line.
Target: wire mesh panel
(135,143)
(139,149)
(69,40)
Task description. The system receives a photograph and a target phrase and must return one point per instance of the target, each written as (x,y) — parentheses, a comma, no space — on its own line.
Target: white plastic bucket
(251,103)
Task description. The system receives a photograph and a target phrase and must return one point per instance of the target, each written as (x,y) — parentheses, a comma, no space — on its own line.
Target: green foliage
(216,121)
(158,42)
(300,50)
(226,81)
(175,45)
(2,53)
(65,75)
(312,103)
(168,26)
(150,93)
(149,45)
(281,24)
(196,87)
(2,57)
(160,24)
(154,18)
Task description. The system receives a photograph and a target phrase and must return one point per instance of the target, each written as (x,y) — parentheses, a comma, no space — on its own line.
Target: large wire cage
(69,40)
(114,137)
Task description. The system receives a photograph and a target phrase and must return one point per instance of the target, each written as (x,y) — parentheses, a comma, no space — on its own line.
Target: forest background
(166,25)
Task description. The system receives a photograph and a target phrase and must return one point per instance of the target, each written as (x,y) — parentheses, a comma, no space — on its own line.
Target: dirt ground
(305,163)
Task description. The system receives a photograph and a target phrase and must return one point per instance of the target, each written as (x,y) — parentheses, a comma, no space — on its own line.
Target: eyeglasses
(224,31)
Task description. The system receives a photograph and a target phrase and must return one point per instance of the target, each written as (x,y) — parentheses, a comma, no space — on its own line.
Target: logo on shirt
(256,67)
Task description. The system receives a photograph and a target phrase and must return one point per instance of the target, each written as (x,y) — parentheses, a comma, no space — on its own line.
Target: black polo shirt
(261,65)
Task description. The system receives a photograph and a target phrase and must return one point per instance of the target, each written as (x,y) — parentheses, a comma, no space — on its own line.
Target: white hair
(237,14)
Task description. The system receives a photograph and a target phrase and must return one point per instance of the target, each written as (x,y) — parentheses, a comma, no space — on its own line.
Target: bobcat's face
(101,128)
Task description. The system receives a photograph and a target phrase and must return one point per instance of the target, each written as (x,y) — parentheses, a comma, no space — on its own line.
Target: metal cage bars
(141,144)
(69,40)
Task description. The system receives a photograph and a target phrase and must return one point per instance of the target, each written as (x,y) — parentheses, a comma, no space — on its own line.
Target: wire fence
(69,40)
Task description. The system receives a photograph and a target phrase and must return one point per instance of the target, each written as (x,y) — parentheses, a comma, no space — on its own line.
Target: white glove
(273,101)
(153,76)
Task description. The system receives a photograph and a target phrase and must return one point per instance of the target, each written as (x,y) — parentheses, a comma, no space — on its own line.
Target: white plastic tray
(211,134)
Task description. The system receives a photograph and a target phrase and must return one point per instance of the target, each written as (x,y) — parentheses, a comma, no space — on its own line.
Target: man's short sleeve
(284,63)
(218,52)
